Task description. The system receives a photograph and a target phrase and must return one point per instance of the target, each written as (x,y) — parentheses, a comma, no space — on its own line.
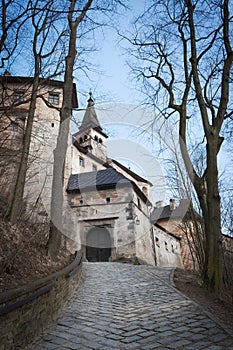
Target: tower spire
(90,101)
(90,119)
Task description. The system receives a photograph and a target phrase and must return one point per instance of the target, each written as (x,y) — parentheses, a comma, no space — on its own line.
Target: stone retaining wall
(27,310)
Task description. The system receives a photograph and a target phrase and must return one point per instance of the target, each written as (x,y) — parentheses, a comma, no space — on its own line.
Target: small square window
(108,199)
(14,126)
(54,98)
(81,161)
(18,96)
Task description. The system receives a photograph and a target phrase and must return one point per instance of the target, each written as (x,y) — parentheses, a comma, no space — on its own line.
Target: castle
(107,210)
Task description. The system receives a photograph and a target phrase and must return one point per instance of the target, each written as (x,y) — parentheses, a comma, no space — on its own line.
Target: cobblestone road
(121,306)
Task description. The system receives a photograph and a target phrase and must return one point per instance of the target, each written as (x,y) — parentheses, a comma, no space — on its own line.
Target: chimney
(172,204)
(158,204)
(7,73)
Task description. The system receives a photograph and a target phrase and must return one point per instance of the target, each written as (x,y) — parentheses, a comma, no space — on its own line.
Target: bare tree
(183,53)
(43,21)
(13,15)
(55,237)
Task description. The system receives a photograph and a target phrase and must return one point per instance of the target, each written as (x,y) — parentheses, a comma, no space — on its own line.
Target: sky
(112,80)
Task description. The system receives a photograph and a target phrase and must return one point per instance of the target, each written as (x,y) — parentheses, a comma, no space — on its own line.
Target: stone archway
(98,244)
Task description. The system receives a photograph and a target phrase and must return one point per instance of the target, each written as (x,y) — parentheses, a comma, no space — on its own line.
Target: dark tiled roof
(107,178)
(130,172)
(161,213)
(166,212)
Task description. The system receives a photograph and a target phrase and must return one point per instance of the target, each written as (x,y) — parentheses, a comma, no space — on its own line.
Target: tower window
(52,125)
(54,98)
(108,199)
(19,96)
(81,161)
(100,141)
(14,126)
(139,203)
(96,138)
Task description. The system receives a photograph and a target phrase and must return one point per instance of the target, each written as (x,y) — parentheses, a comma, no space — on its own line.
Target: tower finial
(90,100)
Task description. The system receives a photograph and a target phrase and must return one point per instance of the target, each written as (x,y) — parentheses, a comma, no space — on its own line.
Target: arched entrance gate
(98,245)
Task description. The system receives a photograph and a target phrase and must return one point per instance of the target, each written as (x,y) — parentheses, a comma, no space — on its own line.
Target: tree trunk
(209,198)
(16,204)
(55,240)
(213,221)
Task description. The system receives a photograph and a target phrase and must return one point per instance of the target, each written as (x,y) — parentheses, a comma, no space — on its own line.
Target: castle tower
(90,135)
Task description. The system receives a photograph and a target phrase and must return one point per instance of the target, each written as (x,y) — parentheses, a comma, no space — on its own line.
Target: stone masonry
(122,306)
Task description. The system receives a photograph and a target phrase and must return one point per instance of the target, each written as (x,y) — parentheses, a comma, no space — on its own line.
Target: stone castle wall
(28,310)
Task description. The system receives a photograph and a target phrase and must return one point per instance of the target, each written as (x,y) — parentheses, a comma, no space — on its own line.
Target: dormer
(90,135)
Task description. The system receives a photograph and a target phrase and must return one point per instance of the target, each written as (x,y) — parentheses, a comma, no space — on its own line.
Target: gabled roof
(102,179)
(161,213)
(166,212)
(131,173)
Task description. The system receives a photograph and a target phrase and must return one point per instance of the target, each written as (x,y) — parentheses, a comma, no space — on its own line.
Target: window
(52,125)
(108,199)
(81,161)
(139,203)
(54,98)
(19,96)
(94,167)
(81,201)
(14,126)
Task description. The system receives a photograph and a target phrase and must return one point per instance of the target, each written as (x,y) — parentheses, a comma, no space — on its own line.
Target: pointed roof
(90,119)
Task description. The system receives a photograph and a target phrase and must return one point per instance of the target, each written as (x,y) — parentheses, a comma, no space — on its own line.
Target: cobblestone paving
(122,306)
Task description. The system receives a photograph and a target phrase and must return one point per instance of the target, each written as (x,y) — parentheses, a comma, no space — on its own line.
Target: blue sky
(112,81)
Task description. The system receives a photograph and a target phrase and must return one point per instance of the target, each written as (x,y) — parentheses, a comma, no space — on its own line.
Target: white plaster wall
(144,243)
(167,249)
(88,162)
